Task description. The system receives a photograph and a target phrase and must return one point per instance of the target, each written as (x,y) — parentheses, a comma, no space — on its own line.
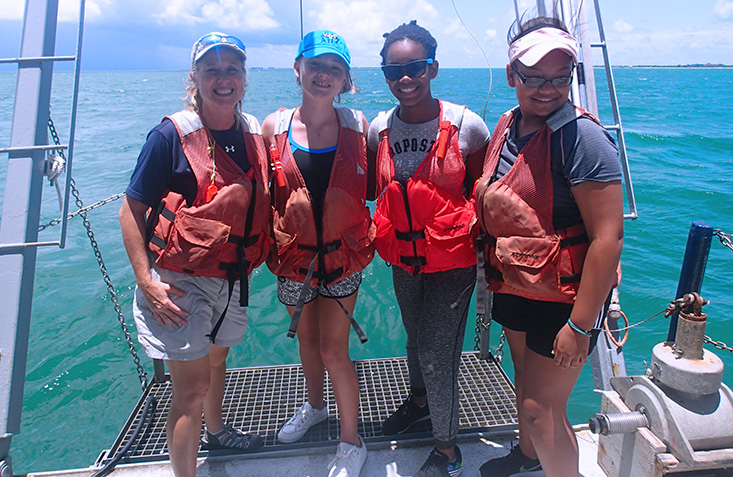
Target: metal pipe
(618,423)
(693,267)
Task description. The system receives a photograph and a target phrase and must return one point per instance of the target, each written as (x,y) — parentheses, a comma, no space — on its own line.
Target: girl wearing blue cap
(322,233)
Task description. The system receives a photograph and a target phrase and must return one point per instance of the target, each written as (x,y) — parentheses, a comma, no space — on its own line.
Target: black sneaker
(231,439)
(438,465)
(405,416)
(511,464)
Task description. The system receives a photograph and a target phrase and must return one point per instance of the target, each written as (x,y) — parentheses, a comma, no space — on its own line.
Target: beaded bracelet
(575,328)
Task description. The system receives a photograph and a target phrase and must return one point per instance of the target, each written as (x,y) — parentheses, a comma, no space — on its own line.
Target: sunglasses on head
(217,39)
(538,81)
(413,69)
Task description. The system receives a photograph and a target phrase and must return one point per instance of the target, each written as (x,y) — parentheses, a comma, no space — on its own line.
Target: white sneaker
(304,418)
(348,461)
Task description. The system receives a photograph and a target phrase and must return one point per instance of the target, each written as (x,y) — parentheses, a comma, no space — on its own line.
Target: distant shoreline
(700,66)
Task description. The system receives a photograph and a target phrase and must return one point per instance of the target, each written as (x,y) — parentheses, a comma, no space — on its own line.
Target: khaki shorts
(205,300)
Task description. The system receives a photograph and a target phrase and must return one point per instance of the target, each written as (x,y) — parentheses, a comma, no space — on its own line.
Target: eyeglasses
(538,81)
(217,39)
(413,69)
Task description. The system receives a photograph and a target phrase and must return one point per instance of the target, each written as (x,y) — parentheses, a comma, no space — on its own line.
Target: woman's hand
(570,348)
(132,225)
(157,294)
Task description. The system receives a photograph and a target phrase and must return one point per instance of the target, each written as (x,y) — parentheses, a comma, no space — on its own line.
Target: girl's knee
(535,411)
(335,356)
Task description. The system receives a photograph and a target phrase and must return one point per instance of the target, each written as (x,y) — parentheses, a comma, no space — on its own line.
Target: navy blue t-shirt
(162,166)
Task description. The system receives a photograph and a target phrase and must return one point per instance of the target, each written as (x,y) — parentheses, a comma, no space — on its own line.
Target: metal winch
(681,400)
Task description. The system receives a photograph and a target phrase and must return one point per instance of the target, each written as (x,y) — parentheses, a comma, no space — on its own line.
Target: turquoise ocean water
(81,381)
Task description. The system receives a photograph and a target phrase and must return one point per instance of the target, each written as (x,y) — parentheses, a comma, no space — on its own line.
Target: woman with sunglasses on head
(555,167)
(201,180)
(425,156)
(323,235)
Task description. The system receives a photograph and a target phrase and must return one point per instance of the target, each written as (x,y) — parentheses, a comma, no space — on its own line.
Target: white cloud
(724,9)
(671,47)
(490,34)
(363,22)
(253,15)
(456,29)
(621,26)
(68,10)
(11,10)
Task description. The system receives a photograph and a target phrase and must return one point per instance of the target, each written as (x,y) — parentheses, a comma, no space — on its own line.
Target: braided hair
(410,31)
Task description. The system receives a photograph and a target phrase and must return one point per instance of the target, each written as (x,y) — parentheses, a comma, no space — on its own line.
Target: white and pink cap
(533,46)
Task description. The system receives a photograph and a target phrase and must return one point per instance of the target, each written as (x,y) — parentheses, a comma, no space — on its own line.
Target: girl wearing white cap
(551,263)
(323,233)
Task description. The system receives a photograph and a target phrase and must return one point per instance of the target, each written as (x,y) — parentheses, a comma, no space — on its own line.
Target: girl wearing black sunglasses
(425,155)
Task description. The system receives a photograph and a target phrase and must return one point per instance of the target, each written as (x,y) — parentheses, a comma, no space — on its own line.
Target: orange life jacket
(344,245)
(524,254)
(228,236)
(426,225)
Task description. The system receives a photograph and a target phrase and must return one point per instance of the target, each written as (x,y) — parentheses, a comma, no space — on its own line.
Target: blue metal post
(21,212)
(693,267)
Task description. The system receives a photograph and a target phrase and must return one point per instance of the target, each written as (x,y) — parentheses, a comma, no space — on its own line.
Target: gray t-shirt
(590,155)
(410,143)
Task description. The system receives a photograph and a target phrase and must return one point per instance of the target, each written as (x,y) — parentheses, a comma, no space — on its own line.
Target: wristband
(575,328)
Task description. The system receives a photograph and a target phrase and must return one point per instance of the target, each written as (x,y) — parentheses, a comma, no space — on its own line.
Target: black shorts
(540,320)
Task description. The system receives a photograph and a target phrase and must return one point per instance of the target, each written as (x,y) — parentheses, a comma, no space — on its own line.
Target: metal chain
(725,239)
(477,335)
(482,326)
(499,355)
(102,202)
(142,375)
(718,344)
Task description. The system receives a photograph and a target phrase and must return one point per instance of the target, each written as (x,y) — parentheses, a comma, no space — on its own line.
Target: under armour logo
(229,148)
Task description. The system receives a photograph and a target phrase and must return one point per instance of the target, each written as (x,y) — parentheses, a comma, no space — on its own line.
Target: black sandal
(231,439)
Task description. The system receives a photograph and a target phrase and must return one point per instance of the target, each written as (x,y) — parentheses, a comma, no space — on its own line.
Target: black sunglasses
(538,81)
(413,69)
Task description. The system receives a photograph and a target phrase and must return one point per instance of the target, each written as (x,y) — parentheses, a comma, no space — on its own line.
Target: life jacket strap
(328,248)
(239,269)
(158,241)
(410,236)
(574,278)
(295,318)
(166,212)
(321,276)
(413,261)
(573,241)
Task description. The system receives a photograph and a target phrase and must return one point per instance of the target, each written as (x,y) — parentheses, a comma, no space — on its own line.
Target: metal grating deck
(261,399)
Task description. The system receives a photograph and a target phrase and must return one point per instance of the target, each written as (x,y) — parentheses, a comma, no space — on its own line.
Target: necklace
(319,130)
(211,190)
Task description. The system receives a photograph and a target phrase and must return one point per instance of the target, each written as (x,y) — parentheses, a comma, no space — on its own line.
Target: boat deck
(261,399)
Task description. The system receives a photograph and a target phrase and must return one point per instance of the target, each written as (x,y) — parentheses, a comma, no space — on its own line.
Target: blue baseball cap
(320,42)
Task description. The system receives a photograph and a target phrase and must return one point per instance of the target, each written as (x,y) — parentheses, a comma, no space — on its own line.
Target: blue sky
(153,35)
